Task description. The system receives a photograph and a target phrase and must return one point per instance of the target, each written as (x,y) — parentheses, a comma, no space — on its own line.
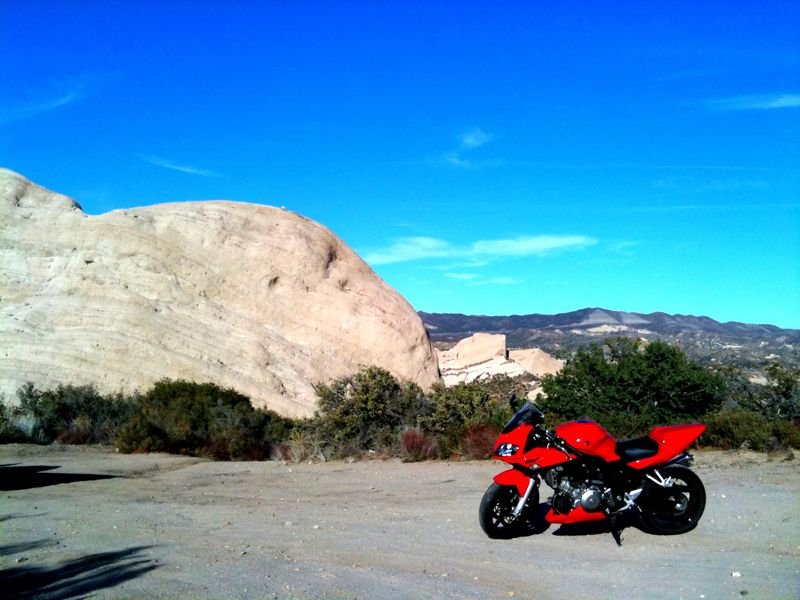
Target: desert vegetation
(625,385)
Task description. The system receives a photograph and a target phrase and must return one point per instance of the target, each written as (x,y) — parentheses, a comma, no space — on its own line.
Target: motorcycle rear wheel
(496,513)
(675,509)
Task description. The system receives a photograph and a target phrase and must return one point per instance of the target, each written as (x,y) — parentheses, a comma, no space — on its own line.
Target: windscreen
(528,413)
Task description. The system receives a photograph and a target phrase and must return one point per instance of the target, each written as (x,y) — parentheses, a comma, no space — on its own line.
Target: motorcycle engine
(572,491)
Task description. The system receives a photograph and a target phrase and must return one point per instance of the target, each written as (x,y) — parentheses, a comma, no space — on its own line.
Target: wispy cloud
(62,93)
(470,140)
(624,248)
(475,279)
(462,276)
(498,281)
(729,207)
(475,138)
(166,163)
(685,186)
(423,248)
(755,102)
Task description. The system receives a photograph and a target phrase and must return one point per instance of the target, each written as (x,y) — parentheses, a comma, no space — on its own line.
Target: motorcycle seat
(637,449)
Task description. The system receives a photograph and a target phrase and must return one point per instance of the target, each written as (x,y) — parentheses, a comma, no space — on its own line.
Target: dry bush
(478,441)
(416,446)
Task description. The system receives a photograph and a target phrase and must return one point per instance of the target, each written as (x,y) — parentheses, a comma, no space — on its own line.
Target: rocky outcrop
(536,361)
(246,296)
(484,355)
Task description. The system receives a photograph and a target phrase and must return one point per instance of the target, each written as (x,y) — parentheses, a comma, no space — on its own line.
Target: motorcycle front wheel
(496,513)
(677,508)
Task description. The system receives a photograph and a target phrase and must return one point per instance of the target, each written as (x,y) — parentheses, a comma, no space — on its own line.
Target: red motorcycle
(593,477)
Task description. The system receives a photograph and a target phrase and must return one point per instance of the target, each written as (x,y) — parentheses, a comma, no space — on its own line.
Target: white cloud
(64,93)
(475,138)
(755,102)
(172,165)
(528,245)
(468,141)
(712,207)
(624,248)
(409,249)
(422,248)
(693,186)
(475,279)
(499,281)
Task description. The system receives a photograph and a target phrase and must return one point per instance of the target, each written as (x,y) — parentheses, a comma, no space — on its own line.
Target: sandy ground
(87,522)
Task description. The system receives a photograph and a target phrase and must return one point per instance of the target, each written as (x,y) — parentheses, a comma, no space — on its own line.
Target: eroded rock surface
(484,355)
(246,296)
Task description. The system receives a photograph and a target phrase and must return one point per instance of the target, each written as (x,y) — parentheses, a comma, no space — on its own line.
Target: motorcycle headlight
(506,450)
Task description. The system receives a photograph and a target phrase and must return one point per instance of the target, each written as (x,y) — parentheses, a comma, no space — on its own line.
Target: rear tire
(496,514)
(676,509)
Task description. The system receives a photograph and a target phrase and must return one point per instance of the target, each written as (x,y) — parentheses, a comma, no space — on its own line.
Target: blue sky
(486,158)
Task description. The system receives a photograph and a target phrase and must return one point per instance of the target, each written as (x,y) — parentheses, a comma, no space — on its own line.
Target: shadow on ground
(9,549)
(538,525)
(13,477)
(623,521)
(74,578)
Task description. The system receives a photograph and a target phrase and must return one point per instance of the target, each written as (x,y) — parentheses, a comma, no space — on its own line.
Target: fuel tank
(589,437)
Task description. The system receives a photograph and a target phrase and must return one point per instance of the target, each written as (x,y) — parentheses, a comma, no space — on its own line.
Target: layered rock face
(246,296)
(483,355)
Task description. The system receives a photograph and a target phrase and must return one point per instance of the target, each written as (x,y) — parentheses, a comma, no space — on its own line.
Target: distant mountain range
(702,338)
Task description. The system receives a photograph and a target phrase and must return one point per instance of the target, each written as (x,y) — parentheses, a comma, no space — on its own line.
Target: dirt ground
(87,522)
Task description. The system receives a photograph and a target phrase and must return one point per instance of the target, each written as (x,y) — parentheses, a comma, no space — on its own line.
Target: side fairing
(671,440)
(590,438)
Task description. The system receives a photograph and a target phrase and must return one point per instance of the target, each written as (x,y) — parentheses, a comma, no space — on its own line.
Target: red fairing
(576,515)
(512,477)
(516,436)
(542,457)
(590,438)
(672,440)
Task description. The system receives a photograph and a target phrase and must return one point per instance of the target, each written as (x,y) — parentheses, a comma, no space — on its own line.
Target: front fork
(521,504)
(524,483)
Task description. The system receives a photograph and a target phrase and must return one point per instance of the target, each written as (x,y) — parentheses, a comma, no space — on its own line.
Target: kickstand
(616,531)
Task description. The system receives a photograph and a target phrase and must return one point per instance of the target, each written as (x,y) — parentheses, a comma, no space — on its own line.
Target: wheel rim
(502,513)
(677,505)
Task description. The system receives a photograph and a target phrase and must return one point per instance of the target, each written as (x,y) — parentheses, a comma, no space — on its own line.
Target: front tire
(496,514)
(675,509)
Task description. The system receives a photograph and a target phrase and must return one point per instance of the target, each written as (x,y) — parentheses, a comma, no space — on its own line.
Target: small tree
(366,411)
(782,399)
(461,411)
(630,385)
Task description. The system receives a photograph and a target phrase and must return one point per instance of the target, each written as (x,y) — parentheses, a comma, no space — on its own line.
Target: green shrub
(629,387)
(73,414)
(787,433)
(366,411)
(9,430)
(202,419)
(140,434)
(455,409)
(737,428)
(782,396)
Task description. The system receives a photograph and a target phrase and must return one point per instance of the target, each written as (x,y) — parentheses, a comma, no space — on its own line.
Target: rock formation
(536,361)
(247,296)
(483,355)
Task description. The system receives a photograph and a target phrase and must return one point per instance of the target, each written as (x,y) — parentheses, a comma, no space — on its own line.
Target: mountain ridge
(596,314)
(702,338)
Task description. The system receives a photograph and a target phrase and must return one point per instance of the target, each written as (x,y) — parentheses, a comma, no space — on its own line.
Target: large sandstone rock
(536,361)
(246,296)
(477,348)
(483,355)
